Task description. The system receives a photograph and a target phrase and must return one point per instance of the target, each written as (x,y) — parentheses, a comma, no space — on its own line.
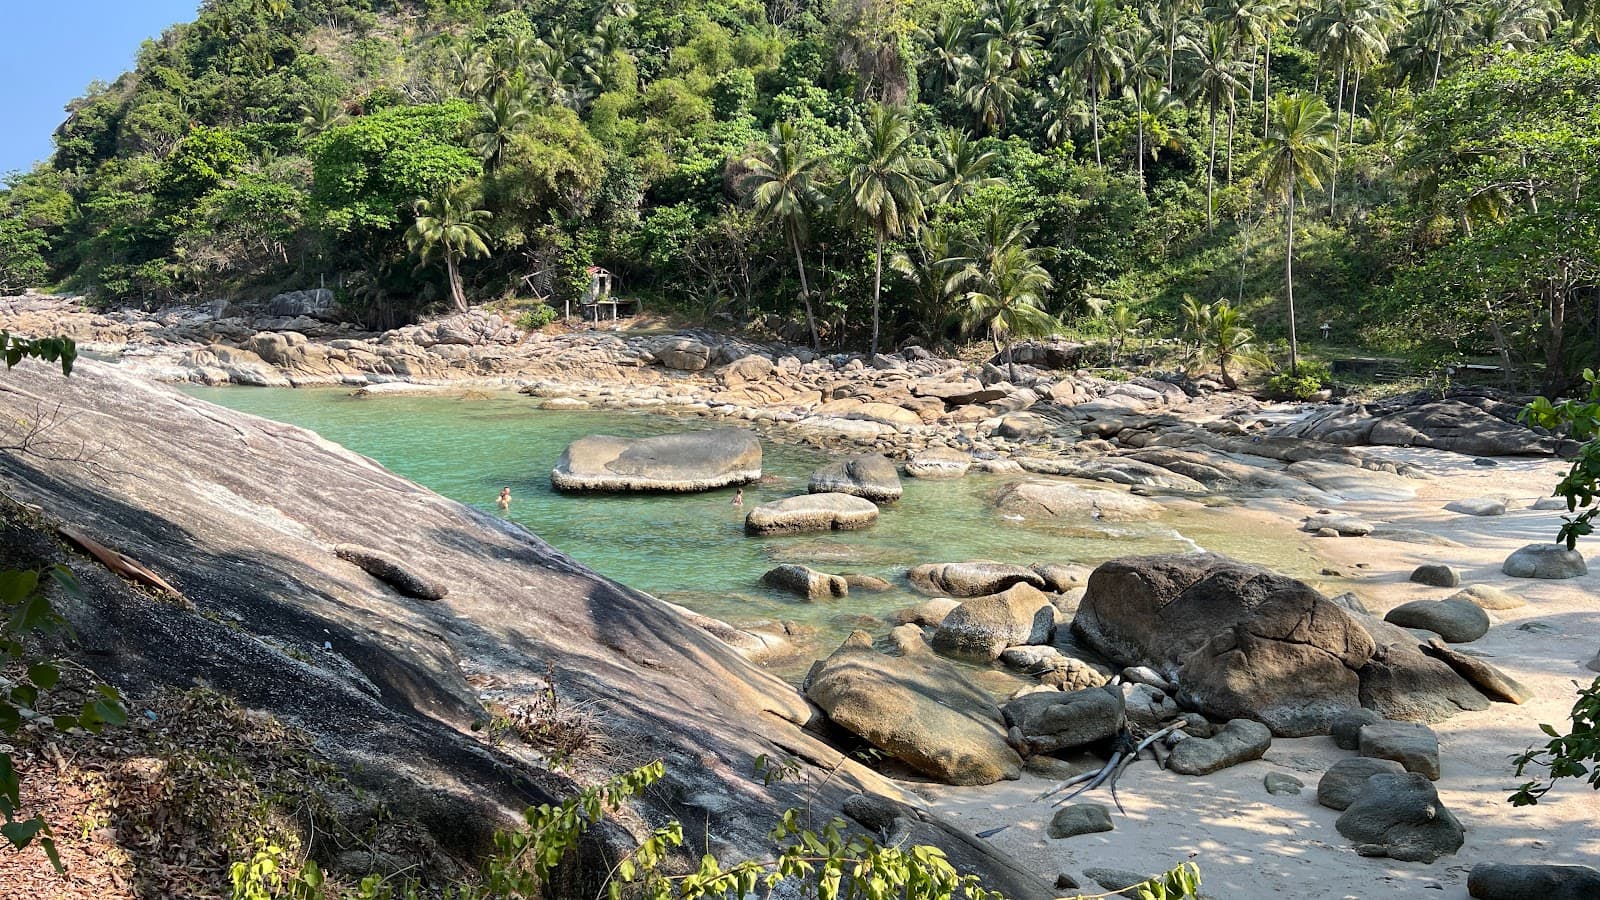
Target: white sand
(1250,844)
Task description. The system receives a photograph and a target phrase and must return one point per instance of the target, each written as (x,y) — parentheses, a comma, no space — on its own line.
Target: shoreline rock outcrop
(666,463)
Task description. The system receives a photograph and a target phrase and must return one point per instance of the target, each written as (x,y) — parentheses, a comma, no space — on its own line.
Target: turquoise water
(691,548)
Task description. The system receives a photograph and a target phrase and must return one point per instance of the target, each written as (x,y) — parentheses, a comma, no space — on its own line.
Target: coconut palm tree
(320,114)
(782,186)
(1013,26)
(1061,108)
(1175,22)
(946,47)
(1007,297)
(1350,35)
(1216,79)
(1146,67)
(449,227)
(1442,27)
(933,272)
(1196,321)
(1229,339)
(1123,321)
(1299,151)
(882,191)
(961,168)
(991,89)
(498,120)
(1091,43)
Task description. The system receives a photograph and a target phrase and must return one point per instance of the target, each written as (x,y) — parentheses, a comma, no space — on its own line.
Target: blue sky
(54,49)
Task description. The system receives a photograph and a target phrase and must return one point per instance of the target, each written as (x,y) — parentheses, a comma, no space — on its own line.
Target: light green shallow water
(691,548)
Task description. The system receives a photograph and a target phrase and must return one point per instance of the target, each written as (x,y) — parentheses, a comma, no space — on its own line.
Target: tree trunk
(1011,358)
(1288,281)
(1211,168)
(877,288)
(454,275)
(1438,60)
(1227,380)
(805,294)
(1266,91)
(1232,111)
(1355,97)
(1139,111)
(1333,178)
(1094,113)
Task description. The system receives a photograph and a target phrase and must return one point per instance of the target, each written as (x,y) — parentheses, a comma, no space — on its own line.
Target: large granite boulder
(1462,425)
(983,626)
(1508,881)
(685,354)
(1050,721)
(1241,740)
(1345,779)
(974,578)
(1414,746)
(804,581)
(696,461)
(870,475)
(811,512)
(1244,642)
(1061,502)
(1549,561)
(1401,817)
(1457,621)
(938,463)
(918,709)
(241,515)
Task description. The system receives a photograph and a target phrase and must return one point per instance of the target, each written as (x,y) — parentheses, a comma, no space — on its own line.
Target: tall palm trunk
(1333,178)
(1211,168)
(805,292)
(1438,60)
(1288,280)
(1011,358)
(1094,112)
(1140,113)
(456,293)
(1233,110)
(1266,90)
(877,288)
(1355,97)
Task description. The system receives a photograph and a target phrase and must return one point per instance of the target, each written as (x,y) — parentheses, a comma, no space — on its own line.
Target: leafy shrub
(1313,377)
(537,317)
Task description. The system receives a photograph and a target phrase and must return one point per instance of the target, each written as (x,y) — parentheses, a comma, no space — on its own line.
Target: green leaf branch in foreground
(61,350)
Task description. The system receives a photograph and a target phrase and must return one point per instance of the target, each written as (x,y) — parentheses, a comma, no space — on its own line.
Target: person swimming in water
(738,497)
(505,498)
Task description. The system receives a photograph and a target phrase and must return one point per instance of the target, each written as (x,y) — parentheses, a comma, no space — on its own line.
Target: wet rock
(1080,818)
(975,578)
(1489,597)
(1344,526)
(1478,506)
(871,476)
(1490,681)
(984,626)
(1058,720)
(1401,817)
(698,461)
(1435,575)
(1073,505)
(930,613)
(1241,740)
(1457,621)
(1060,578)
(391,571)
(939,462)
(918,709)
(811,512)
(1412,745)
(868,583)
(1346,727)
(1345,779)
(1279,784)
(1117,470)
(806,582)
(1507,881)
(1552,561)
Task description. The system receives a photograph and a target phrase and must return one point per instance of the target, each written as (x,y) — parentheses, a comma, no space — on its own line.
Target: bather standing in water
(505,498)
(738,497)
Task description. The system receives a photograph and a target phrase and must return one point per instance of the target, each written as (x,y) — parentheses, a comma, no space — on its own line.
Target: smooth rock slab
(1550,561)
(1478,506)
(812,512)
(1073,505)
(1493,683)
(1457,621)
(807,582)
(984,626)
(1241,740)
(1489,597)
(1345,779)
(1120,880)
(1401,817)
(672,463)
(1413,746)
(870,476)
(939,462)
(1344,526)
(1080,818)
(1505,881)
(975,578)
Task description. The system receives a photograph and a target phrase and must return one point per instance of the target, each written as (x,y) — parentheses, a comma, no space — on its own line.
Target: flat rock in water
(1551,561)
(1401,817)
(1241,740)
(1478,506)
(1410,744)
(1073,505)
(1489,597)
(1117,470)
(811,512)
(807,582)
(392,571)
(1457,621)
(674,463)
(1344,526)
(870,476)
(930,613)
(1345,779)
(975,578)
(919,709)
(1080,818)
(939,462)
(1506,881)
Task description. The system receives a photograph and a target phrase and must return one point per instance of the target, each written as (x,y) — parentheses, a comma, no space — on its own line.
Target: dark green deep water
(691,548)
